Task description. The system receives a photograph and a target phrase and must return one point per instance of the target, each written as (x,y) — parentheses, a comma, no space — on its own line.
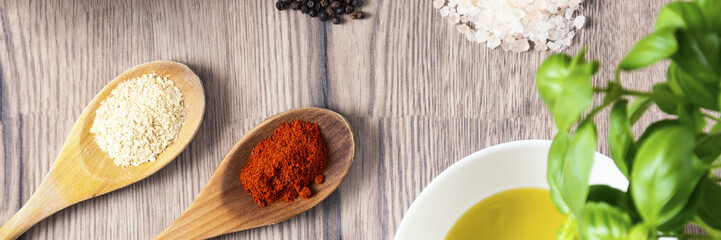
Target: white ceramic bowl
(482,174)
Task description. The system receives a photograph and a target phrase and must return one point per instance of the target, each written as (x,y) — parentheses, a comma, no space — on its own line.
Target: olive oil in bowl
(522,213)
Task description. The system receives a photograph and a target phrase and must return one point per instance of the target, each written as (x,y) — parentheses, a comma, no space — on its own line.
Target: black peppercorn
(295,5)
(357,15)
(280,5)
(323,16)
(325,10)
(335,4)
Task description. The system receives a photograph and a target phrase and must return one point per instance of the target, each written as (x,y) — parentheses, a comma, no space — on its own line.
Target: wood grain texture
(418,96)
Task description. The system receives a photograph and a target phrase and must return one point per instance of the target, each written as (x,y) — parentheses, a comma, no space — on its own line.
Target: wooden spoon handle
(193,226)
(46,201)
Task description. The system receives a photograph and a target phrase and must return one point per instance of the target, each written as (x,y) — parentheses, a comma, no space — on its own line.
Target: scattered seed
(335,20)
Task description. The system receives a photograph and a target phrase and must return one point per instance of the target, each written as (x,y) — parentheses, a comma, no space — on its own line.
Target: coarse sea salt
(516,25)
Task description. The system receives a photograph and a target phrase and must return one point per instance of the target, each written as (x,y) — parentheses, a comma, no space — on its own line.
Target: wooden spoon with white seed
(223,206)
(82,170)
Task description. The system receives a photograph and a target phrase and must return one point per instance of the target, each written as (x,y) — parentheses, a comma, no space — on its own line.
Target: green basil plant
(670,166)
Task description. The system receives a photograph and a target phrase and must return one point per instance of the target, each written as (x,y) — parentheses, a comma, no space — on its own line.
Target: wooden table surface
(419,97)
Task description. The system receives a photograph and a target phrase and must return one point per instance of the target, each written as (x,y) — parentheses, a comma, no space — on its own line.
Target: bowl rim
(479,156)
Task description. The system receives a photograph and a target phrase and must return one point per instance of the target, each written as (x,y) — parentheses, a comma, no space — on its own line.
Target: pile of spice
(141,117)
(324,9)
(516,25)
(282,166)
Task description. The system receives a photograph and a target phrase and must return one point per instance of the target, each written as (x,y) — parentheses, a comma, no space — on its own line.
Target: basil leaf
(568,231)
(577,167)
(716,162)
(649,130)
(606,194)
(716,128)
(678,222)
(708,147)
(601,221)
(710,205)
(639,232)
(711,10)
(669,107)
(655,127)
(554,173)
(620,138)
(638,108)
(613,197)
(680,15)
(664,167)
(653,48)
(565,86)
(693,118)
(698,55)
(704,94)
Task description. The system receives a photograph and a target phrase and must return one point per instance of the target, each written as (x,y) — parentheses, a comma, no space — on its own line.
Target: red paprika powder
(282,166)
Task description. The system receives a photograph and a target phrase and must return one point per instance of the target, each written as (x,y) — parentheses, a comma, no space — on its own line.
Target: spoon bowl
(83,170)
(223,206)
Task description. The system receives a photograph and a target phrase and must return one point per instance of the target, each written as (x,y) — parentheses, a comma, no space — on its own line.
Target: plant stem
(714,234)
(655,96)
(618,76)
(597,109)
(652,95)
(711,117)
(599,90)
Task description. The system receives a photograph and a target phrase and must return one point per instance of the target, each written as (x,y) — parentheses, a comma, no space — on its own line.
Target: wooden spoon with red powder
(224,206)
